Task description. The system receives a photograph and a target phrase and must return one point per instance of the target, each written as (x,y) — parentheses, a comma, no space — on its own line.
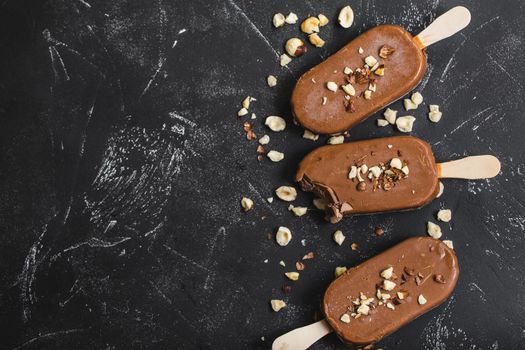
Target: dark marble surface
(123,163)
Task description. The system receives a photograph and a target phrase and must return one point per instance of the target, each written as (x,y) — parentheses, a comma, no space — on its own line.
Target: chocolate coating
(324,171)
(424,255)
(404,69)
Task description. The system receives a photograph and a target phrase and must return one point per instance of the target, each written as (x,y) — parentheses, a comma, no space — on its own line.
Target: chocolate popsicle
(384,174)
(382,294)
(413,277)
(373,70)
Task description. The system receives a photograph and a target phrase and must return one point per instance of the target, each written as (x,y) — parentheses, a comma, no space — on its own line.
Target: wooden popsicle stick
(302,338)
(444,26)
(474,167)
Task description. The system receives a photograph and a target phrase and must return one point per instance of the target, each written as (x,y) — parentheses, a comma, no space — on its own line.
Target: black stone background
(120,223)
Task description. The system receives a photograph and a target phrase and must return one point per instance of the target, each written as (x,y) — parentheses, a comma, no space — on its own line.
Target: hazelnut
(390,115)
(319,203)
(347,70)
(242,112)
(323,20)
(433,230)
(405,124)
(310,135)
(340,270)
(435,116)
(409,104)
(283,236)
(275,123)
(421,300)
(278,20)
(336,140)
(380,70)
(292,276)
(382,122)
(387,273)
(345,318)
(444,215)
(285,59)
(367,95)
(449,243)
(385,51)
(271,80)
(348,89)
(264,140)
(291,18)
(299,211)
(310,25)
(346,17)
(441,189)
(295,47)
(388,285)
(433,108)
(277,304)
(339,237)
(353,172)
(246,203)
(361,186)
(331,86)
(316,40)
(275,156)
(286,193)
(379,231)
(370,61)
(396,163)
(417,98)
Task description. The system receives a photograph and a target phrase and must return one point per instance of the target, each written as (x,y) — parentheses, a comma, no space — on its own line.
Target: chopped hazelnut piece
(338,236)
(379,231)
(361,186)
(360,50)
(380,70)
(323,20)
(285,59)
(387,273)
(370,61)
(421,299)
(310,25)
(264,140)
(292,276)
(277,304)
(316,40)
(295,47)
(417,98)
(347,70)
(367,95)
(390,115)
(299,266)
(275,123)
(449,243)
(354,246)
(396,163)
(345,318)
(278,20)
(283,236)
(444,215)
(299,211)
(405,170)
(348,89)
(336,140)
(309,256)
(269,199)
(286,193)
(435,116)
(363,309)
(375,171)
(406,123)
(271,80)
(246,102)
(282,263)
(353,172)
(441,188)
(385,51)
(439,279)
(253,116)
(331,86)
(319,203)
(433,230)
(402,294)
(291,18)
(325,99)
(310,135)
(246,203)
(390,306)
(275,156)
(346,17)
(409,104)
(388,285)
(242,112)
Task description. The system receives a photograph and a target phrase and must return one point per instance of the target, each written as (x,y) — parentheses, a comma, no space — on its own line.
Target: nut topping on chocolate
(388,285)
(345,318)
(439,279)
(421,299)
(387,273)
(361,186)
(385,51)
(331,86)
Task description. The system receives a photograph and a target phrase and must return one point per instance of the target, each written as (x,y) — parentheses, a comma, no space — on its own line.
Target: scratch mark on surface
(85,3)
(97,243)
(48,336)
(62,65)
(191,261)
(182,119)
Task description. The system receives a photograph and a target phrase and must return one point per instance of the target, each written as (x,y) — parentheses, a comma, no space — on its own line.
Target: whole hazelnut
(310,25)
(361,186)
(295,47)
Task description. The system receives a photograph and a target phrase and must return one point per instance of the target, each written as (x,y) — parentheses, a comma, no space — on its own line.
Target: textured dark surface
(123,163)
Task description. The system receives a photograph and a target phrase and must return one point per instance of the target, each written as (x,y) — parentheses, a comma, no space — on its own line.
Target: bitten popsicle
(373,70)
(382,294)
(382,175)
